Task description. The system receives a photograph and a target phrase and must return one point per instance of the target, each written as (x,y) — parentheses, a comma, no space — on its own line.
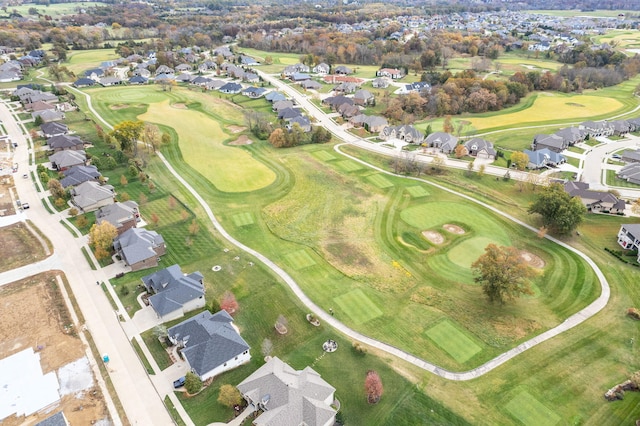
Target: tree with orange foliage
(229,303)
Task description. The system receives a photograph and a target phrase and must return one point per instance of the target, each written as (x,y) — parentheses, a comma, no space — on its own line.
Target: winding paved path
(569,323)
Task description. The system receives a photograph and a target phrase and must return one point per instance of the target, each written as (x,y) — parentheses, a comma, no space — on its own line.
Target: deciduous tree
(127,134)
(503,273)
(560,211)
(229,396)
(373,387)
(229,303)
(101,238)
(55,188)
(192,383)
(519,160)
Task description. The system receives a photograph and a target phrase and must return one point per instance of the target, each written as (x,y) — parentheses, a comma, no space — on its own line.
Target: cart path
(569,323)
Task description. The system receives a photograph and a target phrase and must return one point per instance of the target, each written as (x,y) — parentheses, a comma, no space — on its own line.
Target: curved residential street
(569,323)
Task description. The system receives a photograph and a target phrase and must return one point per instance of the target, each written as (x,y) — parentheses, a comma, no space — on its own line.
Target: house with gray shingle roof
(631,156)
(405,132)
(172,292)
(630,173)
(53,129)
(79,174)
(629,237)
(48,115)
(554,143)
(123,216)
(543,158)
(285,396)
(90,196)
(210,343)
(62,160)
(140,248)
(595,201)
(445,142)
(480,148)
(65,142)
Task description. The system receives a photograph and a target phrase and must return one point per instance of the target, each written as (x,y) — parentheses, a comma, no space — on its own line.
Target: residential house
(251,77)
(184,78)
(544,158)
(629,237)
(634,124)
(232,88)
(248,61)
(445,142)
(335,101)
(630,173)
(595,201)
(280,105)
(214,84)
(223,51)
(200,81)
(292,69)
(288,113)
(274,97)
(39,106)
(50,130)
(140,248)
(83,82)
(172,293)
(480,148)
(571,135)
(302,121)
(123,215)
(347,111)
(254,92)
(65,142)
(37,95)
(596,128)
(631,156)
(207,66)
(418,86)
(380,82)
(310,85)
(298,77)
(76,175)
(405,132)
(342,70)
(164,69)
(371,123)
(94,74)
(48,115)
(63,160)
(322,69)
(363,97)
(183,68)
(138,79)
(392,73)
(620,127)
(110,81)
(345,87)
(210,343)
(285,396)
(164,78)
(90,196)
(551,142)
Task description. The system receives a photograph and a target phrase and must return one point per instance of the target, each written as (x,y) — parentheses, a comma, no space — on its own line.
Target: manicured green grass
(380,181)
(299,260)
(417,191)
(172,410)
(79,61)
(142,357)
(243,219)
(453,341)
(529,411)
(324,156)
(157,349)
(358,306)
(349,166)
(614,180)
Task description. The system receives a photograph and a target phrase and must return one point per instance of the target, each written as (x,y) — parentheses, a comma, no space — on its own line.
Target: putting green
(468,251)
(349,166)
(243,219)
(551,107)
(323,156)
(531,412)
(358,306)
(417,191)
(380,181)
(299,259)
(200,138)
(453,341)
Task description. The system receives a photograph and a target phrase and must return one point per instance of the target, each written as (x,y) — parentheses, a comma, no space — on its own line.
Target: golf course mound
(179,105)
(117,107)
(242,140)
(433,237)
(454,229)
(532,260)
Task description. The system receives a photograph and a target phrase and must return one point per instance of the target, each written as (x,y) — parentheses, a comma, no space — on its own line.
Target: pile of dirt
(454,229)
(242,140)
(433,237)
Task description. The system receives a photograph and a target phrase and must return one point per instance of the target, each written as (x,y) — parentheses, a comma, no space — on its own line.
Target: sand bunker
(454,229)
(532,260)
(242,140)
(116,107)
(236,129)
(433,237)
(179,105)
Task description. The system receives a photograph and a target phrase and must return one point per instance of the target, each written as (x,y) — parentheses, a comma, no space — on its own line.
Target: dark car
(179,383)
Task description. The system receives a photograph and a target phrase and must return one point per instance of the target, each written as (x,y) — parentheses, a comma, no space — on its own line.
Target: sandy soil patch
(179,105)
(433,237)
(116,107)
(532,260)
(242,140)
(454,229)
(35,315)
(236,129)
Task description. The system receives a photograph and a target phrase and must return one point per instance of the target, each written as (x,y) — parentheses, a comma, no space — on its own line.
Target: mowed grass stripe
(243,219)
(531,412)
(299,259)
(323,155)
(380,181)
(453,341)
(417,191)
(349,166)
(358,306)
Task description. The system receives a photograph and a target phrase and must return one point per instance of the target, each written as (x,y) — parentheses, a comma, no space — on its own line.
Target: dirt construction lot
(34,315)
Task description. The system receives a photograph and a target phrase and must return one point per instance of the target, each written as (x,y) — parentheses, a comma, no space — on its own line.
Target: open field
(55,10)
(79,61)
(19,247)
(622,39)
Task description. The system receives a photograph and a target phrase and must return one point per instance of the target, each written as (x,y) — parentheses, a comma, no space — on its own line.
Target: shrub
(633,313)
(124,290)
(192,383)
(73,212)
(358,348)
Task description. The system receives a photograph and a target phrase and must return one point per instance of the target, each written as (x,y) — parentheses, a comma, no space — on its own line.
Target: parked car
(179,383)
(25,206)
(25,176)
(616,156)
